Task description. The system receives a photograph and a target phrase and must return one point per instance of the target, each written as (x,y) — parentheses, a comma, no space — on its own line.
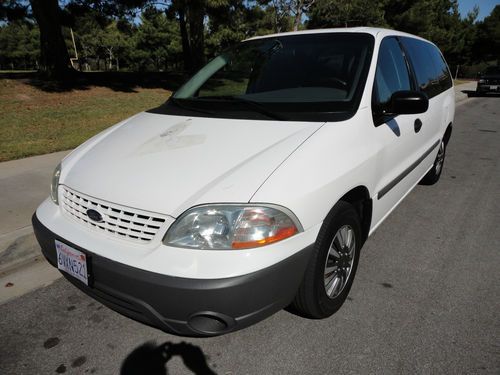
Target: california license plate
(72,261)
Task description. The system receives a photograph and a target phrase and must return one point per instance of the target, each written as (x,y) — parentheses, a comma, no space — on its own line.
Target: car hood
(167,164)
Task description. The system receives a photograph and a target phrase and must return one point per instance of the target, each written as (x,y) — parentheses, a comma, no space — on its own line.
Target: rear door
(433,78)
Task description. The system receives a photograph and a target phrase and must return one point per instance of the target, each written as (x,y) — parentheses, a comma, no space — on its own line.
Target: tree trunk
(296,23)
(54,58)
(110,61)
(191,15)
(298,16)
(277,27)
(186,47)
(196,32)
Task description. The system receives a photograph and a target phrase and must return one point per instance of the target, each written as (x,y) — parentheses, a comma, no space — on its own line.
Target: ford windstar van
(256,184)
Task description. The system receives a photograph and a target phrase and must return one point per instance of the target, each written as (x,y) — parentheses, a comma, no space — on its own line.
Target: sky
(485,7)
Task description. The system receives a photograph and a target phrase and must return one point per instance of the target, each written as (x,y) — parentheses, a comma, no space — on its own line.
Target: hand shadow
(149,359)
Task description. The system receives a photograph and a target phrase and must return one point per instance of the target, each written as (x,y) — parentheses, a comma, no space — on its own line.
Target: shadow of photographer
(151,359)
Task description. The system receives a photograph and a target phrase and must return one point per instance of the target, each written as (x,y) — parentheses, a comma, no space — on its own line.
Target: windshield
(313,77)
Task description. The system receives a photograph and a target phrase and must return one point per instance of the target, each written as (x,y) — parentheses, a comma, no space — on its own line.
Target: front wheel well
(447,134)
(359,197)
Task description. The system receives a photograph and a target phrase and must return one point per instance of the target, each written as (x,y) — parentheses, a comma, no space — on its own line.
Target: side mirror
(407,103)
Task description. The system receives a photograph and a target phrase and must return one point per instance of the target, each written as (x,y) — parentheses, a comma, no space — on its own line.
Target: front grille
(123,222)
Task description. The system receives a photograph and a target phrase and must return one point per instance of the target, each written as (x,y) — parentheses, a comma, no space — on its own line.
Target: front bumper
(184,306)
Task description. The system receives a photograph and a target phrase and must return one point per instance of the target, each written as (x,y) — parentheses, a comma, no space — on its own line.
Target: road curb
(24,184)
(18,249)
(461,91)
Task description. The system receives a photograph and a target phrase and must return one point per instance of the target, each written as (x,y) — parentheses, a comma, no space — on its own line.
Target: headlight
(482,81)
(55,184)
(225,227)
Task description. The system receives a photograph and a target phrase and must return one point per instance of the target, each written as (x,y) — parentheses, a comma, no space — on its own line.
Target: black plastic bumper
(187,307)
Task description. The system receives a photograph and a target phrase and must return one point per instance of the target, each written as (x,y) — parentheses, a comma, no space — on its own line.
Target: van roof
(375,31)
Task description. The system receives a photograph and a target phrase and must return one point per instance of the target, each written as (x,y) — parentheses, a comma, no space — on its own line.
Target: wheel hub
(344,261)
(440,158)
(339,261)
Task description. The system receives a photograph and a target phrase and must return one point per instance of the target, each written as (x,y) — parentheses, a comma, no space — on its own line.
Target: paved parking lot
(425,300)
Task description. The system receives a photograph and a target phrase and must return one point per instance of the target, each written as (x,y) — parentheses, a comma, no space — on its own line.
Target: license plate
(495,87)
(72,261)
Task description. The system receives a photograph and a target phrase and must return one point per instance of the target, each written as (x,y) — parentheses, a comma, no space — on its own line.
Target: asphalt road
(426,298)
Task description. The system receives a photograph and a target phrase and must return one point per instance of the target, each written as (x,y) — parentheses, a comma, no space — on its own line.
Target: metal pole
(76,52)
(74,44)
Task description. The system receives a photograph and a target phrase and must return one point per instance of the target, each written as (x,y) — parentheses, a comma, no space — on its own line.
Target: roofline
(375,31)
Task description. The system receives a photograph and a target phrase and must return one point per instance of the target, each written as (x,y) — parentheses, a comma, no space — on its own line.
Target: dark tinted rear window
(433,76)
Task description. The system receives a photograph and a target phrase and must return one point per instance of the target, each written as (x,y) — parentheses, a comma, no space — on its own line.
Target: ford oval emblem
(94,215)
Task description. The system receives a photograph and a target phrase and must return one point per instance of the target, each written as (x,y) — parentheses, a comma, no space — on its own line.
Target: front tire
(333,263)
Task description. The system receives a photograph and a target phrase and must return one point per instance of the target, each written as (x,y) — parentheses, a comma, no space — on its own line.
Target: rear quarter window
(432,74)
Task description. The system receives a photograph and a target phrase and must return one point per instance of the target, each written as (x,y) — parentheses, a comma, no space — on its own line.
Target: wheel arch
(360,198)
(447,133)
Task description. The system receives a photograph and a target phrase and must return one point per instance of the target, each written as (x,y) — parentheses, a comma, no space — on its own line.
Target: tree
(12,10)
(157,40)
(191,15)
(227,24)
(54,57)
(341,13)
(436,20)
(298,9)
(112,41)
(289,10)
(487,43)
(281,13)
(19,45)
(88,29)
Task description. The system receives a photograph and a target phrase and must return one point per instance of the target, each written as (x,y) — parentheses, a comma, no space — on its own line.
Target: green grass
(35,122)
(222,87)
(17,71)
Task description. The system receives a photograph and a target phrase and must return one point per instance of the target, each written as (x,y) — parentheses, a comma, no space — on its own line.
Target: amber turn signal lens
(280,235)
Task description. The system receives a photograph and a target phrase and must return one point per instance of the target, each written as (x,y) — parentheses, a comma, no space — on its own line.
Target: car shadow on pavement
(475,94)
(151,359)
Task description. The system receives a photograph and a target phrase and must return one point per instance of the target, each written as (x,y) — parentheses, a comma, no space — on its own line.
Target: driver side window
(392,72)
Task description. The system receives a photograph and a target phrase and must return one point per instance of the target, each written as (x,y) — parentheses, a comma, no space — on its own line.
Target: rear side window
(433,76)
(392,73)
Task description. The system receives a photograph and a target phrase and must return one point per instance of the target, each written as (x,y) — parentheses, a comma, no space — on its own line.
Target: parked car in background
(256,184)
(489,80)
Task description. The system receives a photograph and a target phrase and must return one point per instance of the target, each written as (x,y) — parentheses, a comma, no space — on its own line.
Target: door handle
(417,125)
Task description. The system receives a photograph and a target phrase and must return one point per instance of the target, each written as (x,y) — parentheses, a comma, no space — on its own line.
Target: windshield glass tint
(327,69)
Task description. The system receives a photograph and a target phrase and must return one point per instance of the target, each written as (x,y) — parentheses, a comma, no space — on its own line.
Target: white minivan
(256,184)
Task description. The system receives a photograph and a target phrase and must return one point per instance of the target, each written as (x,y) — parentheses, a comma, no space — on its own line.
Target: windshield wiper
(257,107)
(187,107)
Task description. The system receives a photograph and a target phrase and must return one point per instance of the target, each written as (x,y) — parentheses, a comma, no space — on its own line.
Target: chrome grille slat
(107,227)
(125,223)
